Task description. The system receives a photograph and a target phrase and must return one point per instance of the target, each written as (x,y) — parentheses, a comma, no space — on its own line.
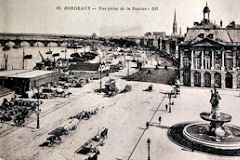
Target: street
(125,115)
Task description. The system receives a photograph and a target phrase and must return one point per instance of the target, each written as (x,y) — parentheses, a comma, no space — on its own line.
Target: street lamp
(148,143)
(65,53)
(101,63)
(38,110)
(127,60)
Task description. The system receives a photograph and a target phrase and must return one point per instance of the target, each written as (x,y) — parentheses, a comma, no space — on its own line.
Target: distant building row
(161,41)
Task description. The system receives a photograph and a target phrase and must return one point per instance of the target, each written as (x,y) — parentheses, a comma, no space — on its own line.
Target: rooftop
(24,73)
(221,35)
(4,91)
(230,35)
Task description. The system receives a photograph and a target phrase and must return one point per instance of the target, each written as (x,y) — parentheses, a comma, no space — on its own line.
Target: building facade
(22,81)
(163,42)
(210,54)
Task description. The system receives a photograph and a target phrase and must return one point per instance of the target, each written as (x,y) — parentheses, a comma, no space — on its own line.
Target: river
(15,56)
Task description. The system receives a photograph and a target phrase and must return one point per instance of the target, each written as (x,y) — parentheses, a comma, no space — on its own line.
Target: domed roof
(206,9)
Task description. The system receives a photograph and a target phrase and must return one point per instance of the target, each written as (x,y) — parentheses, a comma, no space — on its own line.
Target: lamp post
(65,54)
(100,77)
(23,60)
(128,60)
(148,143)
(100,65)
(38,110)
(124,57)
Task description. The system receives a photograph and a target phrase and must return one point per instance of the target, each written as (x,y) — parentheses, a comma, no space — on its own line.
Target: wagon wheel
(66,132)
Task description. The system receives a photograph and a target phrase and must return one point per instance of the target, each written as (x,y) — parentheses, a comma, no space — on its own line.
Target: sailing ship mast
(6,61)
(23,59)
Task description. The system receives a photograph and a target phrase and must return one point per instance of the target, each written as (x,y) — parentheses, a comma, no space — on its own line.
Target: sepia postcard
(119,79)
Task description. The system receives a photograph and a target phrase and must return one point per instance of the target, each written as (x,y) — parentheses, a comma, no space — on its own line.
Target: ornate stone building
(175,24)
(163,42)
(210,54)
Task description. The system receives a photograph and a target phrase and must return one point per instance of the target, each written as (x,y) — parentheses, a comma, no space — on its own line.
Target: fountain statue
(216,134)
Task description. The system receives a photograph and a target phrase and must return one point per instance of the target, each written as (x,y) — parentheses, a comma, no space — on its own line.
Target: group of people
(159,122)
(168,107)
(84,114)
(16,110)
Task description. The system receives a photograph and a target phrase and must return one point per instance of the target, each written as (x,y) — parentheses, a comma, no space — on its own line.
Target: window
(207,62)
(197,63)
(210,36)
(201,35)
(229,63)
(218,61)
(186,61)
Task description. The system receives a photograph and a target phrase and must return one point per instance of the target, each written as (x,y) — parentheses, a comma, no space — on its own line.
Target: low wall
(163,76)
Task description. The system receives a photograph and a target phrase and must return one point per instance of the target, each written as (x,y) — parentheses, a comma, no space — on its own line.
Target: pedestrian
(170,109)
(160,119)
(147,125)
(166,107)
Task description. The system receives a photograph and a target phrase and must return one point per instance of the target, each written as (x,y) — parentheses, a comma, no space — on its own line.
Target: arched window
(201,35)
(207,79)
(197,79)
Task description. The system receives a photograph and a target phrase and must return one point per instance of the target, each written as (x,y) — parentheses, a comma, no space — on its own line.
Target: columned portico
(192,78)
(234,80)
(213,62)
(202,57)
(192,62)
(181,58)
(223,84)
(212,79)
(234,59)
(223,60)
(202,79)
(181,77)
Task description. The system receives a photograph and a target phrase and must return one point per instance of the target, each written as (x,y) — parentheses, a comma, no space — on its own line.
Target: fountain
(215,134)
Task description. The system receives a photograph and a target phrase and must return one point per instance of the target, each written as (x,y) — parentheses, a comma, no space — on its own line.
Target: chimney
(221,23)
(233,24)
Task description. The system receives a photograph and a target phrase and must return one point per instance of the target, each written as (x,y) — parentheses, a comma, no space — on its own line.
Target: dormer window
(201,35)
(210,36)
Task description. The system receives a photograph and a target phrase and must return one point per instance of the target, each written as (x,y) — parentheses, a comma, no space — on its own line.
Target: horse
(20,117)
(104,133)
(67,94)
(53,138)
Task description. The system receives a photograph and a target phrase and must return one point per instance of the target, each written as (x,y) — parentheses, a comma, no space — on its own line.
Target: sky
(41,16)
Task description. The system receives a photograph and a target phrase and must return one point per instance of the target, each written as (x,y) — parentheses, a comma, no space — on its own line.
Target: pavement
(125,116)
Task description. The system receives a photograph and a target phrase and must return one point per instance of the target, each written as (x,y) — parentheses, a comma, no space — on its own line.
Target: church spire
(175,20)
(175,23)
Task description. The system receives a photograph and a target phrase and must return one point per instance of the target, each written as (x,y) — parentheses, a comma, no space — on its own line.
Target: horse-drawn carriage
(64,129)
(17,110)
(89,149)
(85,114)
(59,92)
(110,88)
(55,135)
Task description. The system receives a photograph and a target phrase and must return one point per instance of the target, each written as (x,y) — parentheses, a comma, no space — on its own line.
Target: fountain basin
(223,118)
(199,133)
